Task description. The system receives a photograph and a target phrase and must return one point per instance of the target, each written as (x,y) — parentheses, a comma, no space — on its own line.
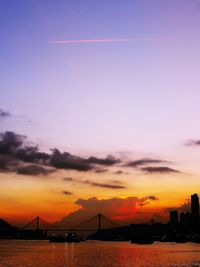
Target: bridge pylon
(99,221)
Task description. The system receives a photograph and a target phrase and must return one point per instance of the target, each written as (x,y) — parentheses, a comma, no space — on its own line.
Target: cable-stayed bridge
(96,223)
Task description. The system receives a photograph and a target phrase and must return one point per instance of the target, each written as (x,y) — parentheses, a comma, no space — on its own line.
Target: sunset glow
(99,109)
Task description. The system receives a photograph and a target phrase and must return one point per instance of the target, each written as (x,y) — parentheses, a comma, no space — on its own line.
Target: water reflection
(69,255)
(98,254)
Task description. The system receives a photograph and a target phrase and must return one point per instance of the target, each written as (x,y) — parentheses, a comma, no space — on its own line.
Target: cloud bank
(15,151)
(16,154)
(120,209)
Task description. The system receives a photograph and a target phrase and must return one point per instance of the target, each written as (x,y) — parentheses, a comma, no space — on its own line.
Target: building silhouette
(174,219)
(181,228)
(185,221)
(195,212)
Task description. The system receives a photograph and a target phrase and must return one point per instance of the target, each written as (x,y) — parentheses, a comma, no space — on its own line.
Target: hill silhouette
(4,224)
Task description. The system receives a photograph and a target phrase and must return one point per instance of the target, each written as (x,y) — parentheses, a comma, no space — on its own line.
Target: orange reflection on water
(99,254)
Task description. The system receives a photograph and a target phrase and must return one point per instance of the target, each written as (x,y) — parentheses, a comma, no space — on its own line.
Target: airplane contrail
(108,40)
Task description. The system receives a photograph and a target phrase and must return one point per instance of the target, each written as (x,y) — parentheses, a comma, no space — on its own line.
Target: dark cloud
(101,170)
(67,193)
(104,185)
(142,162)
(13,152)
(32,154)
(146,200)
(193,142)
(10,143)
(161,170)
(108,161)
(142,204)
(68,161)
(8,164)
(3,164)
(33,170)
(15,147)
(4,114)
(153,198)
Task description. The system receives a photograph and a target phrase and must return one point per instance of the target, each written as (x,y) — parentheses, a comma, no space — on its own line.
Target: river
(18,253)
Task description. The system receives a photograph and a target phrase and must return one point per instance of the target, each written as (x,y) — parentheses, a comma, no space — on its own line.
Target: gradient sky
(132,99)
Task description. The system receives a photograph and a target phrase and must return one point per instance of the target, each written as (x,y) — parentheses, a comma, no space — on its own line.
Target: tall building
(174,218)
(185,219)
(195,211)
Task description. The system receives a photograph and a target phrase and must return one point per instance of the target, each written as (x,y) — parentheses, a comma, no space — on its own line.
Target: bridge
(96,223)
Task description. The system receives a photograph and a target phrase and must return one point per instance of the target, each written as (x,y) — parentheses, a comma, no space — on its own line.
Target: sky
(115,85)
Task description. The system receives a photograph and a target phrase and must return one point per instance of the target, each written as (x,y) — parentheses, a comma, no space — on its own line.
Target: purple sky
(113,96)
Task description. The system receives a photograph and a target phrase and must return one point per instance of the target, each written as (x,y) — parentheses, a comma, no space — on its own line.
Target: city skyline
(99,109)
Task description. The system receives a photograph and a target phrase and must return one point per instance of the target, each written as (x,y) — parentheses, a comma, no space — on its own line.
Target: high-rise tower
(195,211)
(174,218)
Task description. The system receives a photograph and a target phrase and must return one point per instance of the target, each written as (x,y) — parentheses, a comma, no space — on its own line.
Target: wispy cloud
(69,179)
(160,170)
(108,40)
(193,142)
(113,185)
(101,170)
(67,193)
(144,161)
(104,185)
(108,161)
(119,172)
(4,114)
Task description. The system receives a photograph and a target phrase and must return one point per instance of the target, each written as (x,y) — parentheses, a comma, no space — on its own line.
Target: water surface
(97,254)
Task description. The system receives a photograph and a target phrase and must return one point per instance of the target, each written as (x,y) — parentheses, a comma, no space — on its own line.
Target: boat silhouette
(67,238)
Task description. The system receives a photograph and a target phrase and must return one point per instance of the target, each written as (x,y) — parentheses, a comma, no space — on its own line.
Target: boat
(57,239)
(67,238)
(180,239)
(142,239)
